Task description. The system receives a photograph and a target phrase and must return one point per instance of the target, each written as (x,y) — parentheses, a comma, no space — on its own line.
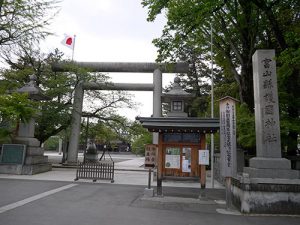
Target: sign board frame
(7,158)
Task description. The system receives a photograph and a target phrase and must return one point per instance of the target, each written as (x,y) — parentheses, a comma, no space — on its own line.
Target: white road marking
(229,212)
(220,202)
(34,198)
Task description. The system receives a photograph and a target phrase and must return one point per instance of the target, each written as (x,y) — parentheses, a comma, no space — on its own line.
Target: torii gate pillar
(157,82)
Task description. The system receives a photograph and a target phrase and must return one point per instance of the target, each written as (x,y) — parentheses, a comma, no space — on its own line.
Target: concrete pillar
(75,125)
(157,91)
(267,126)
(157,82)
(268,162)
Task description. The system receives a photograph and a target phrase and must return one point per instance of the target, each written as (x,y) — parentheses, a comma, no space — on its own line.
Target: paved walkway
(129,170)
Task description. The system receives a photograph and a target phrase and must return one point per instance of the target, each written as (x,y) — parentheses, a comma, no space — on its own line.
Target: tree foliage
(21,21)
(60,86)
(140,137)
(239,28)
(55,113)
(14,107)
(24,21)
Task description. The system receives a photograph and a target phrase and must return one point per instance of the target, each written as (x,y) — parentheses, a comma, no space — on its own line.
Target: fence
(96,171)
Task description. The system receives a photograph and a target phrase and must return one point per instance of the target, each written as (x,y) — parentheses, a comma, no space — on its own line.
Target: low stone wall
(267,196)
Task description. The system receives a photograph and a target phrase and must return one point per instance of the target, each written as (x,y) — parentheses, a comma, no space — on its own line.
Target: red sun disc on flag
(69,41)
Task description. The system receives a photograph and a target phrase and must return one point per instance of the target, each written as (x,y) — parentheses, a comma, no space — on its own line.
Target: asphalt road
(28,202)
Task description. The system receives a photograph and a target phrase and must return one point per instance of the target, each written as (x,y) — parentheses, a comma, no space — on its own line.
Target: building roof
(180,124)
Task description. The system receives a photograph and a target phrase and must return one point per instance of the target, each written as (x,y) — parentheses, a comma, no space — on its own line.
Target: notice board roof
(180,124)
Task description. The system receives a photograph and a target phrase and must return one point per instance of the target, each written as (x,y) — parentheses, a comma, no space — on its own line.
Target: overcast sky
(110,31)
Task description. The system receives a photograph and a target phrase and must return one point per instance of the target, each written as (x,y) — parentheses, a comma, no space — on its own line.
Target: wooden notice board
(150,155)
(13,154)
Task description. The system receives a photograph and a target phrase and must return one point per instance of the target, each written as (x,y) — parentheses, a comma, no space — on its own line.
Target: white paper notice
(186,166)
(203,157)
(172,161)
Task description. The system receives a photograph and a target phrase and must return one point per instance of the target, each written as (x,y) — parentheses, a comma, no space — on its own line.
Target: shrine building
(179,137)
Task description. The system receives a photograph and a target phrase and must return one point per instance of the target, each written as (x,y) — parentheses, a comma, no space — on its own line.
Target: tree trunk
(246,87)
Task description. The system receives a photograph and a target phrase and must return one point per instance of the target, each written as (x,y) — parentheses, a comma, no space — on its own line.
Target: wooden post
(203,176)
(149,179)
(159,166)
(228,193)
(202,168)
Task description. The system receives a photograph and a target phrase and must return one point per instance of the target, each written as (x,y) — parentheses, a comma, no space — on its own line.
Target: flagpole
(212,106)
(73,47)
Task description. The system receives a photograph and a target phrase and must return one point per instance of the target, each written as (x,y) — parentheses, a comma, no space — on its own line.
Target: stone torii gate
(155,68)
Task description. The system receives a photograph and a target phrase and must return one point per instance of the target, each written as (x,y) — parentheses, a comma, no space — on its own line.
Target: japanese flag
(68,41)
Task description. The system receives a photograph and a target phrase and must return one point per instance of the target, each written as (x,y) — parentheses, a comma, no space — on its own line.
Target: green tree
(13,108)
(239,28)
(21,21)
(234,31)
(140,138)
(24,21)
(56,114)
